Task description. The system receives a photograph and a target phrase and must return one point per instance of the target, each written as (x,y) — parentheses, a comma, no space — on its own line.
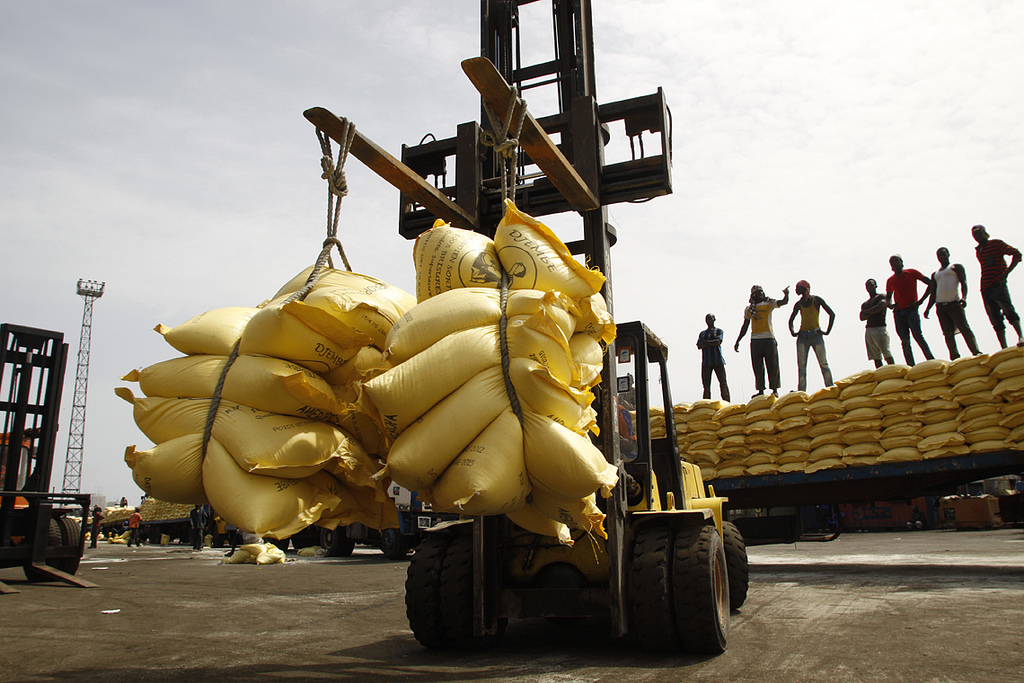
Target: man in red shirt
(994,292)
(901,296)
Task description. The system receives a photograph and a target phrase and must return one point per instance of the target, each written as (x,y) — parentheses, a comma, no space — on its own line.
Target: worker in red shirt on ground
(134,522)
(901,296)
(994,291)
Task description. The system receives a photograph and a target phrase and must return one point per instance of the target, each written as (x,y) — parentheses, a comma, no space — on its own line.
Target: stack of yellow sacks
(153,510)
(445,402)
(290,444)
(894,413)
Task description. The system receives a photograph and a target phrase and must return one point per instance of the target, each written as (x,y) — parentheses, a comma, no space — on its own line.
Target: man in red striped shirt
(994,292)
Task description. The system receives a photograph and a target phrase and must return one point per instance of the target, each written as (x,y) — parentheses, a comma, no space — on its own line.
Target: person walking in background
(810,335)
(901,295)
(994,291)
(764,350)
(948,293)
(97,518)
(197,517)
(135,528)
(876,336)
(709,341)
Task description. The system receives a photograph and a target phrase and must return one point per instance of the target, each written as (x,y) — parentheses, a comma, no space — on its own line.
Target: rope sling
(507,148)
(337,189)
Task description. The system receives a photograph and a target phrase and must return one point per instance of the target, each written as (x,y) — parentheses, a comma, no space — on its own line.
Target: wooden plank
(394,171)
(497,94)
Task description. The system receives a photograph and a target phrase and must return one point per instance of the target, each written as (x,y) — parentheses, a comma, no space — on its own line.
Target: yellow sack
(576,514)
(894,371)
(357,309)
(527,517)
(239,557)
(489,476)
(269,384)
(449,258)
(938,441)
(357,504)
(562,461)
(542,393)
(260,442)
(857,389)
(367,362)
(172,471)
(276,331)
(1009,367)
(463,309)
(410,389)
(900,455)
(594,320)
(213,333)
(266,506)
(423,451)
(926,369)
(537,259)
(588,357)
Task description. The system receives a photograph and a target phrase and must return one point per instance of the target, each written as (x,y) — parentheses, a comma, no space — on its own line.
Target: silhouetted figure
(764,350)
(876,336)
(994,291)
(901,294)
(709,341)
(948,293)
(810,335)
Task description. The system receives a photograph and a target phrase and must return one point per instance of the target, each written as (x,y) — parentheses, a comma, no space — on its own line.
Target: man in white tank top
(948,293)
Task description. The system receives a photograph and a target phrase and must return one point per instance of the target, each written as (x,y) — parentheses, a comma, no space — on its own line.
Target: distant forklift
(37,531)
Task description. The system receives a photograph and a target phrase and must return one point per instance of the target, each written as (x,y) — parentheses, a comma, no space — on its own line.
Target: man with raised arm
(994,292)
(764,350)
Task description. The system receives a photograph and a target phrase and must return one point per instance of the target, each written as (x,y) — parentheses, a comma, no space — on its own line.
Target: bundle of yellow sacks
(256,553)
(895,413)
(446,403)
(332,397)
(290,443)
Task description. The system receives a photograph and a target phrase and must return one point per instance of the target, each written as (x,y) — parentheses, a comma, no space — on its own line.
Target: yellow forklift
(671,570)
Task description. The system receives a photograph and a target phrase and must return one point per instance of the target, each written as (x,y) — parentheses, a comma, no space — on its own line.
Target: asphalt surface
(927,606)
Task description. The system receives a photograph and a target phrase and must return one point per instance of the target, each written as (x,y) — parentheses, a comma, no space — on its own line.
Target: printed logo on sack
(521,265)
(479,269)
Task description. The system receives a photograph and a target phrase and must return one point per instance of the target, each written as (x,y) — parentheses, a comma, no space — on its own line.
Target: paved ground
(924,606)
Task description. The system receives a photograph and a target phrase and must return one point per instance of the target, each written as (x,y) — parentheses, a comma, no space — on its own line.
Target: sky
(160,148)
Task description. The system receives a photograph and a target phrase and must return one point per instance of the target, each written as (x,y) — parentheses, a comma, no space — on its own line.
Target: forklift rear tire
(335,543)
(423,590)
(700,584)
(457,599)
(62,531)
(393,545)
(736,561)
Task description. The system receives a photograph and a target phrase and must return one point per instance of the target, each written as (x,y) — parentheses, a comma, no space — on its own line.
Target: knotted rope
(505,145)
(337,189)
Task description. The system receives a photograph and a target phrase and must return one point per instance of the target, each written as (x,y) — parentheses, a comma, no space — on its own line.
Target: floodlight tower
(89,290)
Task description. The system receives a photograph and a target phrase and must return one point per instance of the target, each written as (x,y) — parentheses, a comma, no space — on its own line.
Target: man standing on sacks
(764,350)
(948,293)
(810,335)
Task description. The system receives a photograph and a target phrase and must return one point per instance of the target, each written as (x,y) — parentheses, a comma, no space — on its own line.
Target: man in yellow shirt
(810,335)
(764,350)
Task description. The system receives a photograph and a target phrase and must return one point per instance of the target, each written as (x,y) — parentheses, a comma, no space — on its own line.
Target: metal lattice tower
(90,291)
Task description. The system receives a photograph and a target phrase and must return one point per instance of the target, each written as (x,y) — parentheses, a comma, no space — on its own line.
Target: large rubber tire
(736,561)
(652,610)
(307,538)
(700,586)
(393,544)
(457,599)
(62,531)
(423,590)
(335,543)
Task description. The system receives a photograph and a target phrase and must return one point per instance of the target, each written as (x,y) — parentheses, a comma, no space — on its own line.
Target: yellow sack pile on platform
(445,401)
(290,443)
(895,413)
